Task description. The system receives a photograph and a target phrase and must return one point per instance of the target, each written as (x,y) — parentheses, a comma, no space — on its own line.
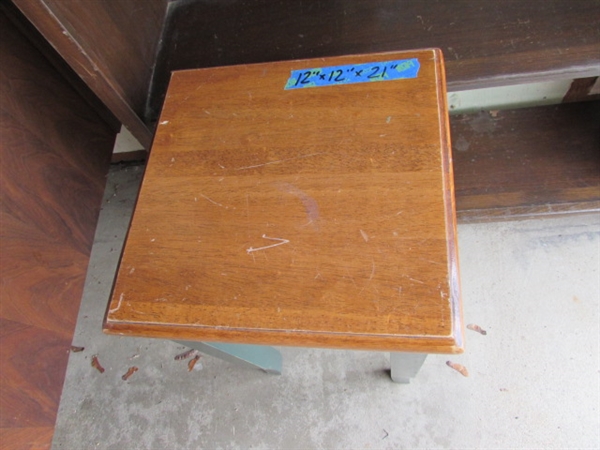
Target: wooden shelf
(485,43)
(527,162)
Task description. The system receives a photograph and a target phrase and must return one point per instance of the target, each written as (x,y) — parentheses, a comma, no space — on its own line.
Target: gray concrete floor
(533,383)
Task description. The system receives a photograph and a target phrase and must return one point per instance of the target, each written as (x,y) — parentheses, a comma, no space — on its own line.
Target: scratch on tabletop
(279,161)
(118,304)
(414,279)
(216,203)
(431,261)
(281,241)
(365,236)
(370,276)
(351,278)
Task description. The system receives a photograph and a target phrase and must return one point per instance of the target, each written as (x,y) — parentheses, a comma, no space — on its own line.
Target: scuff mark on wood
(118,304)
(364,235)
(281,242)
(310,204)
(216,203)
(278,161)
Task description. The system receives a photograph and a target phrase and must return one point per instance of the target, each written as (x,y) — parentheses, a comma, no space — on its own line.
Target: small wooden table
(305,203)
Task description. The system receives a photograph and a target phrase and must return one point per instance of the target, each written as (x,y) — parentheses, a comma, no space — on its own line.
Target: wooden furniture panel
(110,44)
(485,42)
(320,216)
(30,438)
(527,162)
(33,368)
(55,152)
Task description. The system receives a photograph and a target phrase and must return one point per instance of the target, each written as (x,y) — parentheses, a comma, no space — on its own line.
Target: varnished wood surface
(54,153)
(310,217)
(485,42)
(27,29)
(110,44)
(582,89)
(38,438)
(527,162)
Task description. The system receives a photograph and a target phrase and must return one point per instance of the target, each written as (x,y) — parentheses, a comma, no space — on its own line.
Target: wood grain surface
(527,162)
(54,152)
(110,44)
(311,217)
(485,42)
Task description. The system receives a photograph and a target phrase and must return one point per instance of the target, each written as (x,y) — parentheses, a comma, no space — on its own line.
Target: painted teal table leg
(406,365)
(258,356)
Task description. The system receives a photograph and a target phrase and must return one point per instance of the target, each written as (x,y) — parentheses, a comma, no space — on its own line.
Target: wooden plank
(318,216)
(111,45)
(55,153)
(26,28)
(33,369)
(582,89)
(486,43)
(527,161)
(27,438)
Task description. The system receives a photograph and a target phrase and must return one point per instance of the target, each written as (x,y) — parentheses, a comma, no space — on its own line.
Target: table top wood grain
(321,216)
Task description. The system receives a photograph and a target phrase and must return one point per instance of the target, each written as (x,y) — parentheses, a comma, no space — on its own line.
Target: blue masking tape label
(354,73)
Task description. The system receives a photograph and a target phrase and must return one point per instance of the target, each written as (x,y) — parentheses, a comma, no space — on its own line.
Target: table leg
(406,365)
(258,356)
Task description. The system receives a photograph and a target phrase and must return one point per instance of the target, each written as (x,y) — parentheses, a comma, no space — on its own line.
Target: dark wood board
(110,44)
(527,162)
(484,42)
(54,152)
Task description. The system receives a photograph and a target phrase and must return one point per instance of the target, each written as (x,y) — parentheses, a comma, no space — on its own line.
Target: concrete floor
(534,378)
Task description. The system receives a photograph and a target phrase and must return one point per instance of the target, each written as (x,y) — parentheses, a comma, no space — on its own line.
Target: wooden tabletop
(298,203)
